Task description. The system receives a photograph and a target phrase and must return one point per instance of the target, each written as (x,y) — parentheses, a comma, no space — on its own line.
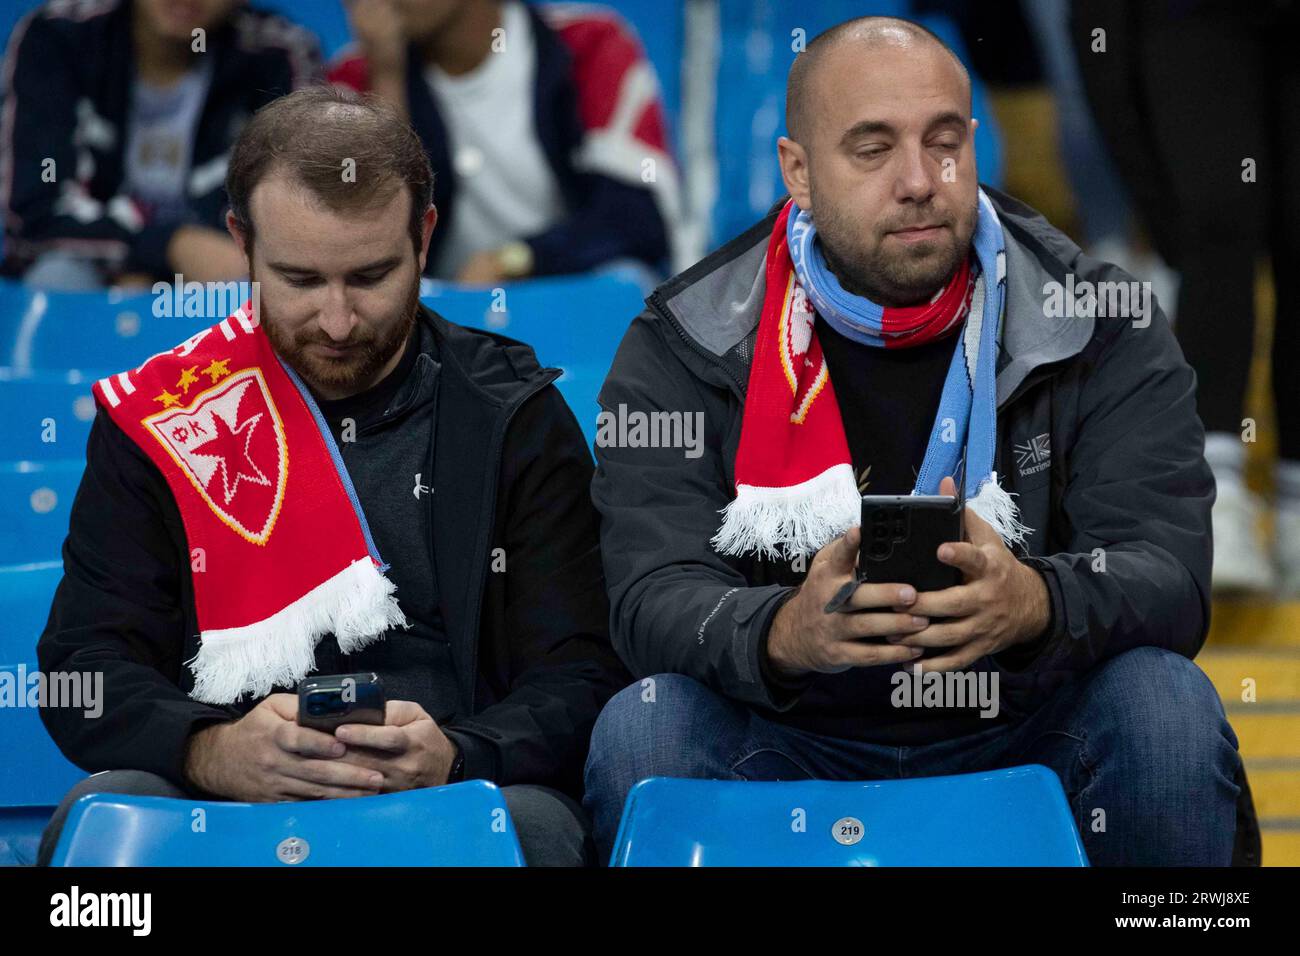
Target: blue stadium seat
(94,332)
(755,53)
(35,501)
(47,415)
(26,591)
(31,786)
(1013,817)
(43,775)
(463,824)
(20,834)
(34,775)
(568,320)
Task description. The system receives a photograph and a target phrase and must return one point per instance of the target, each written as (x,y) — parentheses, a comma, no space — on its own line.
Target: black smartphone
(326,702)
(900,535)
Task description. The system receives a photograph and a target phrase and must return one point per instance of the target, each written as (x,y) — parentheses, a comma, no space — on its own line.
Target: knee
(552,829)
(656,727)
(138,783)
(1163,713)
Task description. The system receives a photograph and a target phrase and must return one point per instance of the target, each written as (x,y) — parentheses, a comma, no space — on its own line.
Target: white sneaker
(1241,565)
(1288,554)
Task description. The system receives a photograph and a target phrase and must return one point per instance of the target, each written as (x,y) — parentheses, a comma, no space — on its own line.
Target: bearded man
(336,481)
(888,328)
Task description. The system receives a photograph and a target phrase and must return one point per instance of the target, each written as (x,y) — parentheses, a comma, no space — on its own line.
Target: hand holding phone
(805,638)
(901,535)
(1001,602)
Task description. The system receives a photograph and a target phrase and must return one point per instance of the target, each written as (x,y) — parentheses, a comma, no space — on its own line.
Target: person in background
(117,126)
(543,125)
(1211,157)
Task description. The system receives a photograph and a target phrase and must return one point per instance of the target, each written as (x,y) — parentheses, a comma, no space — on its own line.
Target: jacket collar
(716,304)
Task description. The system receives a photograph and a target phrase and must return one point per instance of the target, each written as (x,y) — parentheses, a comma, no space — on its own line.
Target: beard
(894,274)
(350,373)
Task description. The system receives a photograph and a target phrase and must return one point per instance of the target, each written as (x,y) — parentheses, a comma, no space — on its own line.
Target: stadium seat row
(1012,817)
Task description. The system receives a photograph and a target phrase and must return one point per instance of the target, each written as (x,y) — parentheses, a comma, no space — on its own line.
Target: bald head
(856,38)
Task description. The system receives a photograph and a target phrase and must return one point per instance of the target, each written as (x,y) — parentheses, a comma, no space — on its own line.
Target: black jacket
(68,99)
(510,470)
(1098,438)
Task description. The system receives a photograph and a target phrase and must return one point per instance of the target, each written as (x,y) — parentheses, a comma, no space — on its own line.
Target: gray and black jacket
(1098,438)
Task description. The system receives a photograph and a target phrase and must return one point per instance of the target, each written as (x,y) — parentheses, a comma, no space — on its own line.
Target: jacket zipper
(498,442)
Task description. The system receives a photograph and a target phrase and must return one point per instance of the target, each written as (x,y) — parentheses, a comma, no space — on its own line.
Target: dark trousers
(1187,92)
(553,830)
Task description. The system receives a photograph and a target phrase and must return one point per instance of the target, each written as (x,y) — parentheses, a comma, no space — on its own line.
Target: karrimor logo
(1034,455)
(74,908)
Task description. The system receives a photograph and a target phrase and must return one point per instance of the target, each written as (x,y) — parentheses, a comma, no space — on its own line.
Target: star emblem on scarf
(187,379)
(216,369)
(231,441)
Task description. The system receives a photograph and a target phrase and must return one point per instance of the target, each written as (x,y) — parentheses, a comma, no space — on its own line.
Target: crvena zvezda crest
(230,443)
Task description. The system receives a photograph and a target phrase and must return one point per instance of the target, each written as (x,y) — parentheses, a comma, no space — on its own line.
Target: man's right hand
(265,757)
(803,638)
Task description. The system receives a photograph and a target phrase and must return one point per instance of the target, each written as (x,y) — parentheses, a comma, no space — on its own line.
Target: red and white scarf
(280,551)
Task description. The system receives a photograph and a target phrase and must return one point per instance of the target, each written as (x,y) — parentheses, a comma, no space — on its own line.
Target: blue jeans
(1142,736)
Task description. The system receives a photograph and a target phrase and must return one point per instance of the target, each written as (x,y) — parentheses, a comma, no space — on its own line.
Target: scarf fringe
(357,605)
(786,522)
(993,503)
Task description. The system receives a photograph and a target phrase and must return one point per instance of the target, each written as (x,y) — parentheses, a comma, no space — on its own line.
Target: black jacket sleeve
(678,606)
(545,610)
(119,612)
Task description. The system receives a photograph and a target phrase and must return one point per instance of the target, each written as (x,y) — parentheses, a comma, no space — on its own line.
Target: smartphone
(326,702)
(901,535)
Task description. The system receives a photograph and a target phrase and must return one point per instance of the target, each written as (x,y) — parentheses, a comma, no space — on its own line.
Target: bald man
(891,328)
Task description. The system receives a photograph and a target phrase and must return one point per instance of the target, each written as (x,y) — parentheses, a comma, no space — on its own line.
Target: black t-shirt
(888,401)
(388,459)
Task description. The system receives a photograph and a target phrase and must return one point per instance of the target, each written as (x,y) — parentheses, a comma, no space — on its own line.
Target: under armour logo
(419,487)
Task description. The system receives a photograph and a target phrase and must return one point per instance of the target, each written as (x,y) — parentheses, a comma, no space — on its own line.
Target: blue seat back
(37,500)
(54,345)
(463,824)
(34,775)
(33,772)
(47,415)
(26,591)
(1013,817)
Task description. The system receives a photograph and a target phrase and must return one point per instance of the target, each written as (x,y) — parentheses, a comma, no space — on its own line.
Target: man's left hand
(410,749)
(1001,602)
